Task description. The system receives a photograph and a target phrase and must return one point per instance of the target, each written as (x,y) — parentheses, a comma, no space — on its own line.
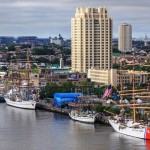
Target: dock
(51,108)
(42,105)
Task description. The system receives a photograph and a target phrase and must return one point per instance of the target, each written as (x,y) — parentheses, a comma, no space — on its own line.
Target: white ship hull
(21,104)
(143,132)
(85,119)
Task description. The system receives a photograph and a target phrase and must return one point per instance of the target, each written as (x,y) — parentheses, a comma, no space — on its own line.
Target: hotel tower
(91,33)
(125,37)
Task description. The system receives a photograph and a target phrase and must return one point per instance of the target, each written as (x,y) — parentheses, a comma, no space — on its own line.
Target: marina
(46,130)
(74,75)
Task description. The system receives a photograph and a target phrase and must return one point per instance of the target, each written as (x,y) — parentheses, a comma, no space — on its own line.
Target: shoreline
(102,119)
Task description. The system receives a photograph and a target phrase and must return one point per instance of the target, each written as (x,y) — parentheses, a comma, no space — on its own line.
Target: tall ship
(21,92)
(132,127)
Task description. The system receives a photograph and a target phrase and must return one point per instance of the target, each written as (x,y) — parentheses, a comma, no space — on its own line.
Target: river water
(39,130)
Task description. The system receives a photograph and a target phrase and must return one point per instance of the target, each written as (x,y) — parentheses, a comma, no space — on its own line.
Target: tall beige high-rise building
(125,37)
(91,35)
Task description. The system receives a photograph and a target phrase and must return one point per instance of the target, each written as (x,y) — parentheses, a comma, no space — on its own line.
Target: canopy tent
(61,99)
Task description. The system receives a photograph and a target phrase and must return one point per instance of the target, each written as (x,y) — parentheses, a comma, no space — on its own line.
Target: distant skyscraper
(91,39)
(125,37)
(146,40)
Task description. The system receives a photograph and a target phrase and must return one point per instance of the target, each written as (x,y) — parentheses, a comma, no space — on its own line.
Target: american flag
(107,92)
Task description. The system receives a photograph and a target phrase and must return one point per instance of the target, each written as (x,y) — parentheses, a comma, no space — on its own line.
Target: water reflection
(132,142)
(35,130)
(13,117)
(82,126)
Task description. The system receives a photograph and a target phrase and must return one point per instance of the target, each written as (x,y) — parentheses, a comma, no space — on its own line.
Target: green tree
(43,51)
(33,66)
(11,47)
(115,50)
(26,45)
(116,66)
(100,108)
(55,61)
(37,51)
(3,48)
(50,89)
(99,91)
(42,60)
(4,68)
(67,87)
(66,51)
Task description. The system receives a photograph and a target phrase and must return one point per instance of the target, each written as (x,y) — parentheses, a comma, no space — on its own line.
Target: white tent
(139,101)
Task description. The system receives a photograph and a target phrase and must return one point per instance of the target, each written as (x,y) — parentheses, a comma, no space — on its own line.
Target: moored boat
(30,104)
(130,128)
(22,92)
(83,117)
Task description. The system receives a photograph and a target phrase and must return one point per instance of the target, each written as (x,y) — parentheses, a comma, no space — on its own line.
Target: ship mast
(28,72)
(121,76)
(19,72)
(121,82)
(133,95)
(12,74)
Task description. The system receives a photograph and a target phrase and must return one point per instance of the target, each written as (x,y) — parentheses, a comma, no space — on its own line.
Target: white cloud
(42,17)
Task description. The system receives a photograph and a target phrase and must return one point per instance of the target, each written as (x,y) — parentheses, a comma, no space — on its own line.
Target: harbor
(50,108)
(80,101)
(47,130)
(74,75)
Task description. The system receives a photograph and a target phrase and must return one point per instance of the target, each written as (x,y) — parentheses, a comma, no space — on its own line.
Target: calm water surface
(38,130)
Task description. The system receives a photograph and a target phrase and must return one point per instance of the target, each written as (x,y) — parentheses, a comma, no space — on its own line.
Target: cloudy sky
(44,18)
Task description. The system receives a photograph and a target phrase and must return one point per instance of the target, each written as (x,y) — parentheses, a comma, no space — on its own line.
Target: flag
(107,92)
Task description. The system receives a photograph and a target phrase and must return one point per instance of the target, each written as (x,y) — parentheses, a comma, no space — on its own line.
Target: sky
(45,18)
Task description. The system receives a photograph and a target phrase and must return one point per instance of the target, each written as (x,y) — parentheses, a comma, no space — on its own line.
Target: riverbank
(50,107)
(42,105)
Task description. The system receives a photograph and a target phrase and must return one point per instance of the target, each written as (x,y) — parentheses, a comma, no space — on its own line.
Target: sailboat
(131,127)
(83,116)
(79,114)
(18,101)
(21,93)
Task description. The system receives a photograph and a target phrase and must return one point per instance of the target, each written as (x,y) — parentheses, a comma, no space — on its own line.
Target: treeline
(86,88)
(43,51)
(136,67)
(52,88)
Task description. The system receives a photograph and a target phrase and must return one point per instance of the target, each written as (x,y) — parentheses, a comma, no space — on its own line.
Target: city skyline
(46,18)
